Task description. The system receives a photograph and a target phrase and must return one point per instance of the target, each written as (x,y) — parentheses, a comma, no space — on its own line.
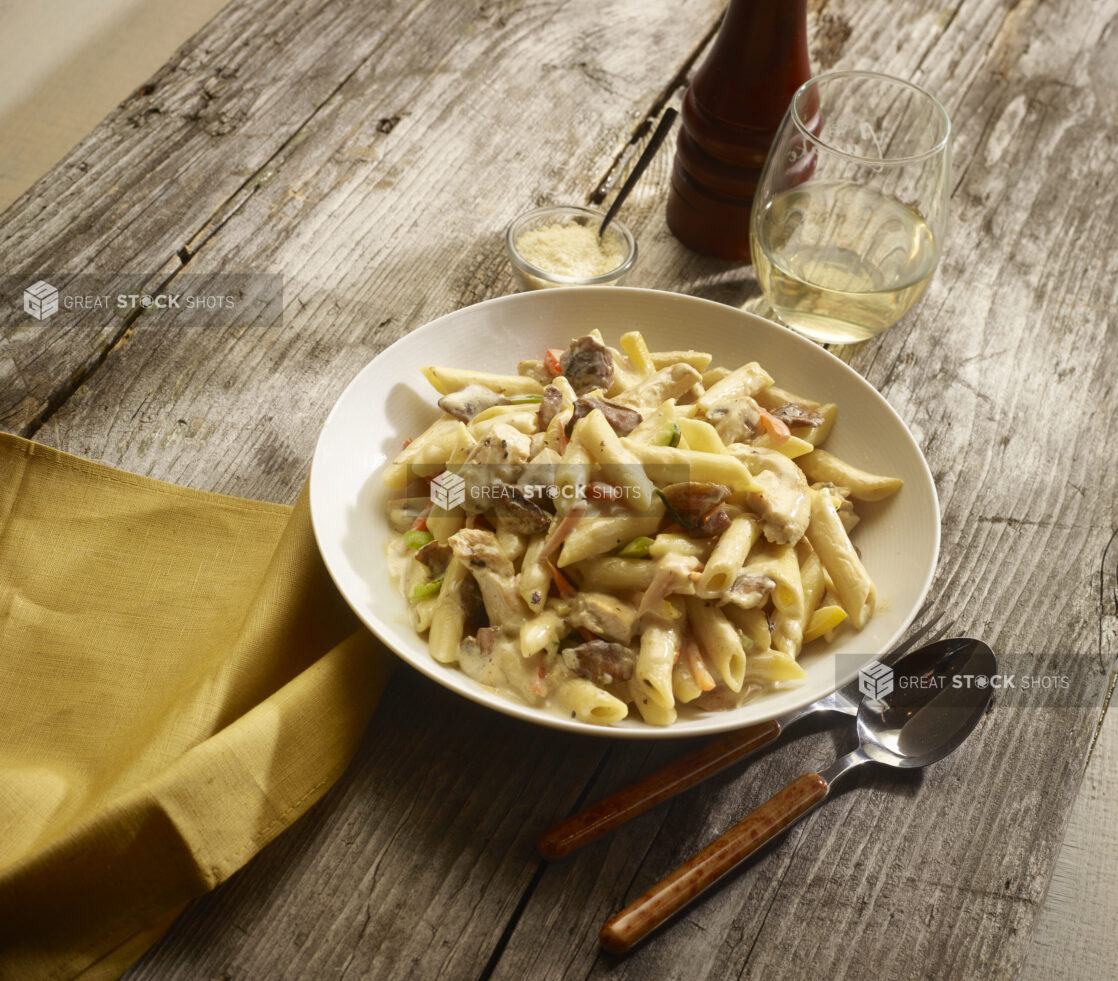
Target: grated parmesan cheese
(572,250)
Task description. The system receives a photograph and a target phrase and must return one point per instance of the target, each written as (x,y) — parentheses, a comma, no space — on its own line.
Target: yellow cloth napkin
(179,681)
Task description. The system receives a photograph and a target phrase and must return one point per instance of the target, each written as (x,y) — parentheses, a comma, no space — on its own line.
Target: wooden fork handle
(670,895)
(676,777)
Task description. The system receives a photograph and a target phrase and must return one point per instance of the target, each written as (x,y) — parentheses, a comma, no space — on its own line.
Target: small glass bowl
(533,277)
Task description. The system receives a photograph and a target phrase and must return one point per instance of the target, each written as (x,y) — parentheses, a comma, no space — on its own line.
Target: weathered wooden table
(371,152)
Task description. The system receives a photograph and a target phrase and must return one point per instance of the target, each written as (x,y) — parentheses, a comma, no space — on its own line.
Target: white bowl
(389,401)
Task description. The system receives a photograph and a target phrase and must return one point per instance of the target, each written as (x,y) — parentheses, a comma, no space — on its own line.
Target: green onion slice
(425,590)
(636,549)
(416,538)
(668,436)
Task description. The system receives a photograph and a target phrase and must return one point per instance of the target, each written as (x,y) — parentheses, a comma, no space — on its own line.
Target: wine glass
(849,216)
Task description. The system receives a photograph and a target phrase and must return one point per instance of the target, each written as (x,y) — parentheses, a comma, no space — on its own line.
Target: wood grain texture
(1072,935)
(681,886)
(371,154)
(1071,939)
(681,774)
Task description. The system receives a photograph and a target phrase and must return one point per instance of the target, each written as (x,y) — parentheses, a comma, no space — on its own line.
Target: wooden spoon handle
(685,772)
(670,895)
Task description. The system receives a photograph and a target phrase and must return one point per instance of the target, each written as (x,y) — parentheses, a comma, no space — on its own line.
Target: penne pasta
(620,465)
(613,574)
(659,650)
(552,569)
(698,360)
(711,467)
(863,486)
(449,617)
(447,380)
(428,453)
(831,543)
(729,554)
(651,711)
(746,380)
(588,703)
(719,641)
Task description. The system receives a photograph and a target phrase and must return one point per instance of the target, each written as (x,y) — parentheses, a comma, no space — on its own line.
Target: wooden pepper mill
(731,112)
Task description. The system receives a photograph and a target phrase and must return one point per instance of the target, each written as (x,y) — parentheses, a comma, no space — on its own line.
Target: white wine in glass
(845,239)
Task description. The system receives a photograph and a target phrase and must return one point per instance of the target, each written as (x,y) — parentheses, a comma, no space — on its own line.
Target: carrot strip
(420,523)
(693,658)
(774,427)
(563,529)
(562,583)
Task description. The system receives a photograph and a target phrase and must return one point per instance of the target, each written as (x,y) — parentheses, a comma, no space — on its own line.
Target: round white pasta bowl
(390,401)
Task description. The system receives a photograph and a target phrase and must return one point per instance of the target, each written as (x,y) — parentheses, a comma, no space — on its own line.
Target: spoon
(662,128)
(937,699)
(679,775)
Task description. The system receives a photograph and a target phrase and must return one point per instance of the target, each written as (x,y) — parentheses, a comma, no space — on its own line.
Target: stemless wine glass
(849,216)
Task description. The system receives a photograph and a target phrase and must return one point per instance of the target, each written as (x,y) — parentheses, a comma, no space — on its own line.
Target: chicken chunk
(550,406)
(782,503)
(495,575)
(735,419)
(603,614)
(469,401)
(493,467)
(794,414)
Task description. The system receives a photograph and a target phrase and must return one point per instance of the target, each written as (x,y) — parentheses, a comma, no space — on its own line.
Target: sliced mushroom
(550,406)
(469,596)
(520,515)
(602,661)
(486,637)
(712,524)
(587,364)
(435,555)
(692,500)
(622,420)
(794,414)
(749,591)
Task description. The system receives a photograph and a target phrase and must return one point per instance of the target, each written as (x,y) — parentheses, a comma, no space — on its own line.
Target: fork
(585,826)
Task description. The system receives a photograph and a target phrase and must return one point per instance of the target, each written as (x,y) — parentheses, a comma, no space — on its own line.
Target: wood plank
(413,233)
(1071,935)
(405,871)
(408,868)
(1022,537)
(185,148)
(1023,236)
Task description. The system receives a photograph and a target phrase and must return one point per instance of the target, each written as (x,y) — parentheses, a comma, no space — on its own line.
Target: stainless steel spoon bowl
(938,696)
